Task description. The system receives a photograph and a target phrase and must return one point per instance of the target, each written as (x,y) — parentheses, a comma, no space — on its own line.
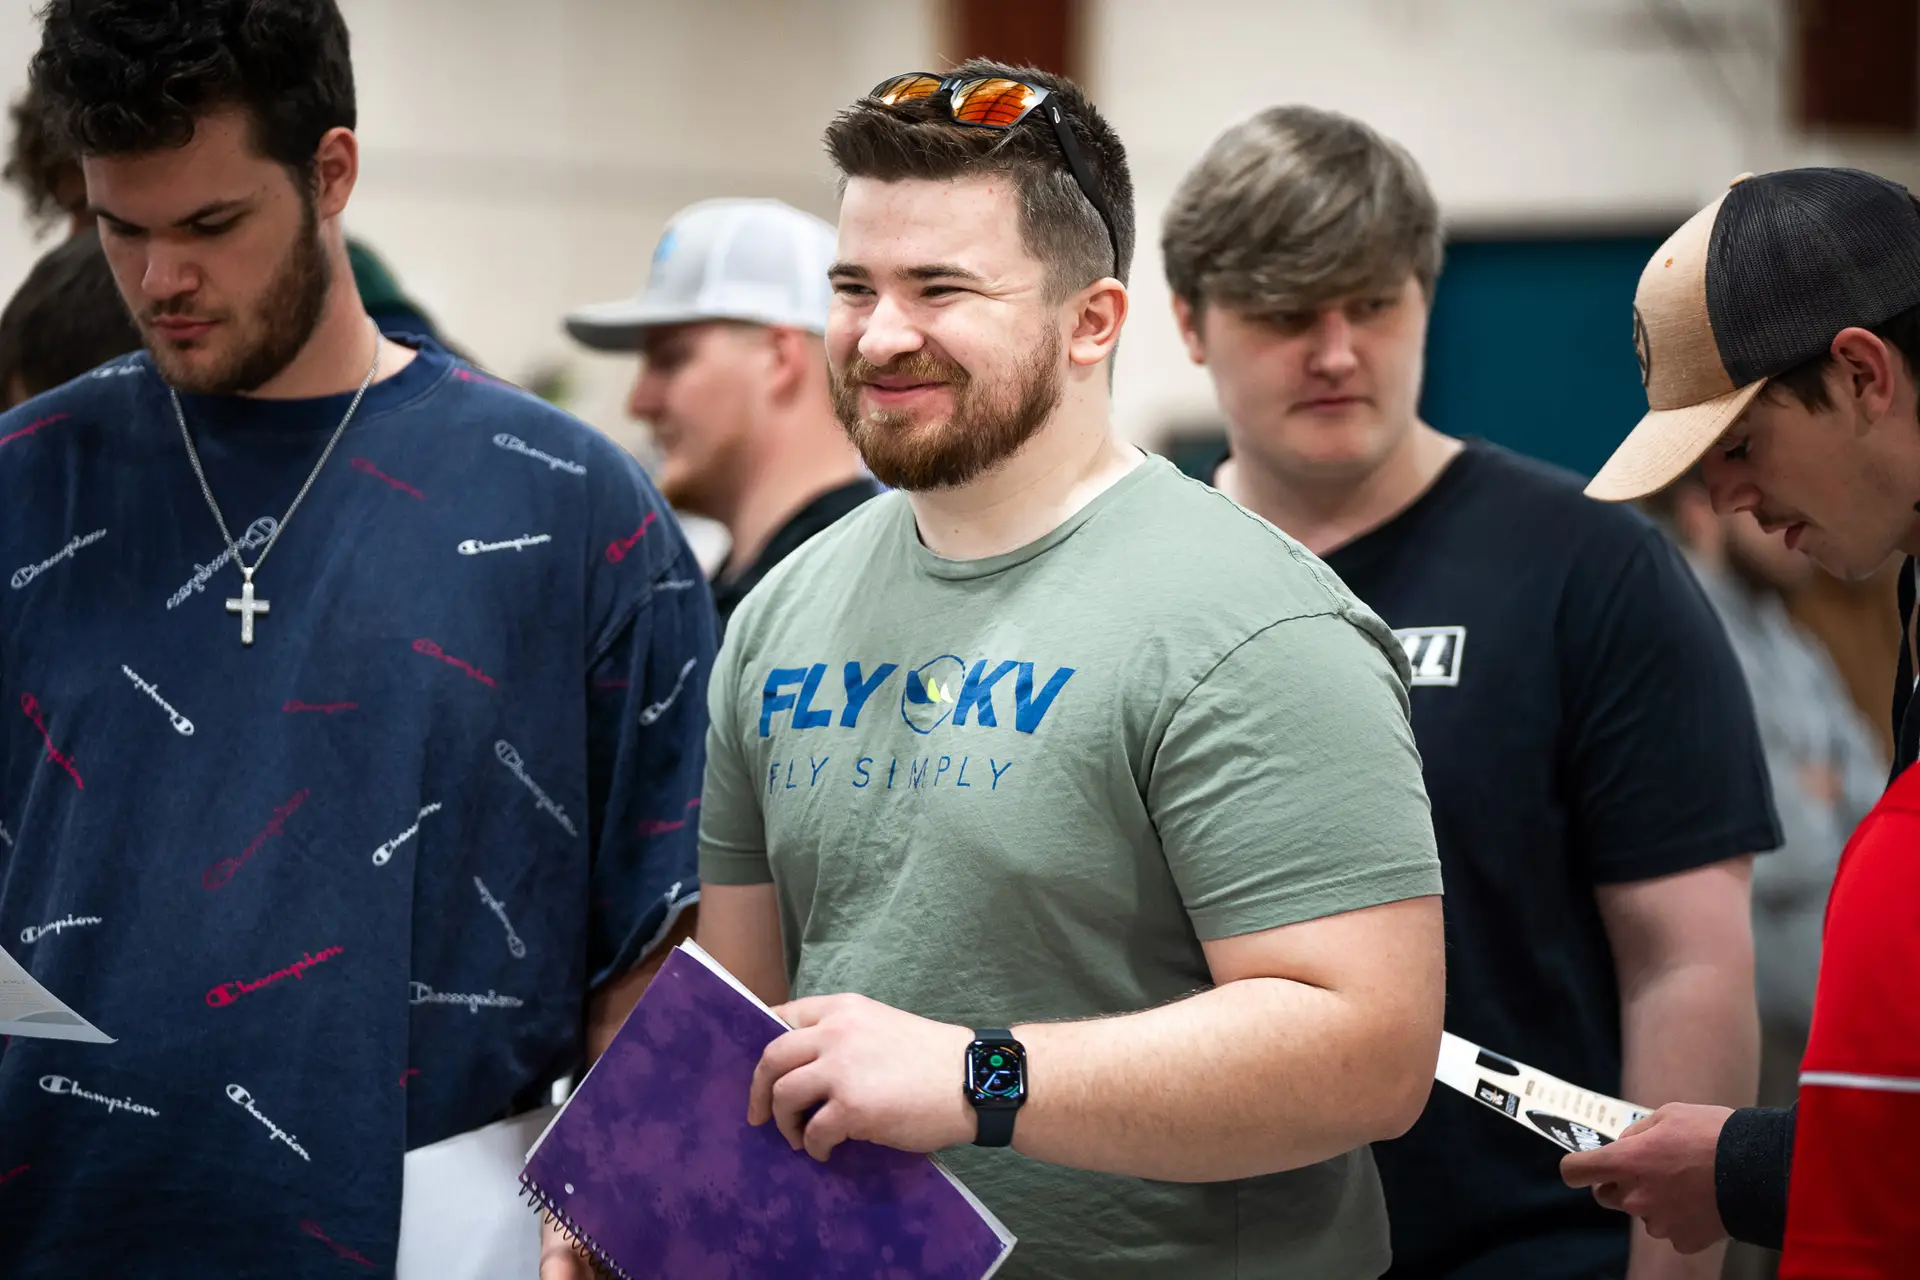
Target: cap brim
(617,326)
(1666,443)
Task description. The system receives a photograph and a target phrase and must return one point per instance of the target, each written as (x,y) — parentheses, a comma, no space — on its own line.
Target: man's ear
(1867,369)
(336,168)
(1188,321)
(792,355)
(1101,314)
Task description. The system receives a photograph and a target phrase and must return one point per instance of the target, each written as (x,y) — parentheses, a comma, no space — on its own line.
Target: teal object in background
(1531,345)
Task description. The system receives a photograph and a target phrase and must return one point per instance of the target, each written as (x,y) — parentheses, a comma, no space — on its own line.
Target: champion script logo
(253,538)
(227,992)
(514,444)
(72,1089)
(241,1097)
(27,573)
(424,994)
(431,649)
(618,548)
(654,710)
(13,1173)
(181,725)
(32,427)
(340,1250)
(367,468)
(385,852)
(475,547)
(31,705)
(504,752)
(324,708)
(515,946)
(217,875)
(33,933)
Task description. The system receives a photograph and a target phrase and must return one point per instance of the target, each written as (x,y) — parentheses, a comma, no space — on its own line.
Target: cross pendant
(246,606)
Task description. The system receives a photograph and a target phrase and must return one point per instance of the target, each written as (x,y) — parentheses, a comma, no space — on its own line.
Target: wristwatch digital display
(996,1084)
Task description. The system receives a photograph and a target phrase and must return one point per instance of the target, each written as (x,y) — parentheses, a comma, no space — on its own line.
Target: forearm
(1688,1035)
(1249,1078)
(607,1008)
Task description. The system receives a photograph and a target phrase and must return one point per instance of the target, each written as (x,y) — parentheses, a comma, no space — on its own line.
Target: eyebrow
(210,210)
(931,271)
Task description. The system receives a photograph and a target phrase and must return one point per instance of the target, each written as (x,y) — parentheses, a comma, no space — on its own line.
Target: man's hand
(855,1068)
(1660,1171)
(558,1261)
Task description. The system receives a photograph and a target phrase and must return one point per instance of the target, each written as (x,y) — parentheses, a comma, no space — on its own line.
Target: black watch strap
(994,1124)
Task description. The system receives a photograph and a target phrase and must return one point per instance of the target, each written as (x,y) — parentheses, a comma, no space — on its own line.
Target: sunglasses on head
(995,102)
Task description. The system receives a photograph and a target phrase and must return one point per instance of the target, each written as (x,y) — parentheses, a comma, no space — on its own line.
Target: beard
(989,423)
(268,334)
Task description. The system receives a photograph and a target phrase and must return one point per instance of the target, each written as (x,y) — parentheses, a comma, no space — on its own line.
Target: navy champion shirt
(345,892)
(1581,722)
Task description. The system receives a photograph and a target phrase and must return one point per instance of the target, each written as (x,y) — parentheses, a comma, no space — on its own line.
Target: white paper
(462,1215)
(1566,1115)
(29,1009)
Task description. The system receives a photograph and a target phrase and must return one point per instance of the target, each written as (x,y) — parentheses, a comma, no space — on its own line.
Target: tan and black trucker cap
(1756,283)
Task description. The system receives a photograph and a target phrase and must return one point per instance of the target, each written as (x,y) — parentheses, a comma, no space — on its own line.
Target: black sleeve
(1664,763)
(1750,1169)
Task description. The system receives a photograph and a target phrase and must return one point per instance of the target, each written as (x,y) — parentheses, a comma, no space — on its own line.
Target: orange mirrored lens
(1000,104)
(905,88)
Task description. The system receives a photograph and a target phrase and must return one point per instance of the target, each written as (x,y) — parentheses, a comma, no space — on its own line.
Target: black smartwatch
(996,1084)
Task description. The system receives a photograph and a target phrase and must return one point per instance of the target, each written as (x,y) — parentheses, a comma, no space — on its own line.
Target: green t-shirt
(1025,788)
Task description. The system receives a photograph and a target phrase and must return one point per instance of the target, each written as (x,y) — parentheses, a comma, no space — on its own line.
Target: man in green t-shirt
(1059,802)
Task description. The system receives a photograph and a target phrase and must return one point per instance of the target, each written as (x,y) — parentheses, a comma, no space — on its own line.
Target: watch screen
(995,1072)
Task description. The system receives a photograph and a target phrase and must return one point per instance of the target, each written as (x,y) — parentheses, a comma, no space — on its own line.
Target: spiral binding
(584,1245)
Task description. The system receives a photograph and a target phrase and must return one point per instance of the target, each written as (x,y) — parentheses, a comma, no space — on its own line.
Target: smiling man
(348,746)
(1000,767)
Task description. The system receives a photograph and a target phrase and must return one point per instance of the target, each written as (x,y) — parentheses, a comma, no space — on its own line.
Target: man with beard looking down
(1055,774)
(340,716)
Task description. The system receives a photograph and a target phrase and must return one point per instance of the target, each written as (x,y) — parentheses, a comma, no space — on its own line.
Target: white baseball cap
(761,261)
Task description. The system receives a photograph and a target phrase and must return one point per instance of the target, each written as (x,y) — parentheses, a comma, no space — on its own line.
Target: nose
(1332,356)
(168,272)
(887,333)
(1730,491)
(648,397)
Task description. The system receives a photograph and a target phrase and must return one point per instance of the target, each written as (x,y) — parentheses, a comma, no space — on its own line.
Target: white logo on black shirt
(1433,653)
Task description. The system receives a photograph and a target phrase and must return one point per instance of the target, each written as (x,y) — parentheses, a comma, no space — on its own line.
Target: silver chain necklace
(246,606)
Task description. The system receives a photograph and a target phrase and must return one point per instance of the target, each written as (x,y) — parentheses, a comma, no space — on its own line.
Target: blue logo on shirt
(943,690)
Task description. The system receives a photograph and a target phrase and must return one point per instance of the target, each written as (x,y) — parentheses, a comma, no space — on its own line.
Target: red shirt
(1853,1206)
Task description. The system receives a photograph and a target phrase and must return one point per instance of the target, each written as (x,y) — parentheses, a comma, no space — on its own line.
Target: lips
(177,329)
(1329,404)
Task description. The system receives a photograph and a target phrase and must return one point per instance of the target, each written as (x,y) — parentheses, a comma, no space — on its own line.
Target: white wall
(521,156)
(1521,111)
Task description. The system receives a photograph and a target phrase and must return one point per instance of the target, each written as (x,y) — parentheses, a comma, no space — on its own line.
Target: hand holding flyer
(1570,1117)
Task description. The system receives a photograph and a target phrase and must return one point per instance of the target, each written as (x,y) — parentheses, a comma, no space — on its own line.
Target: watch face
(996,1073)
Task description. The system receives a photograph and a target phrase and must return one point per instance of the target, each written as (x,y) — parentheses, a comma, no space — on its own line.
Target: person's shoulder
(1188,545)
(517,420)
(72,411)
(847,543)
(1540,493)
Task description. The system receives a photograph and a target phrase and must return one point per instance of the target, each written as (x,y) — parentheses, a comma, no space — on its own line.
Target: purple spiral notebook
(652,1166)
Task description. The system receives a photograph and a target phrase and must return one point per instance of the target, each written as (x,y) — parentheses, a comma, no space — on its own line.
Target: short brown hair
(1294,208)
(1059,225)
(65,319)
(40,165)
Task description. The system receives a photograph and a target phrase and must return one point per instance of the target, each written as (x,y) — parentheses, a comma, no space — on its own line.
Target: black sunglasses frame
(1062,132)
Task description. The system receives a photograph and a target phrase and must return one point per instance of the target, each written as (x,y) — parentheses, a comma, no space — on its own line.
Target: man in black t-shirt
(733,380)
(1597,780)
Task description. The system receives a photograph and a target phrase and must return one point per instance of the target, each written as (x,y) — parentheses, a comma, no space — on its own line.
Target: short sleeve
(1665,767)
(1287,786)
(646,726)
(733,842)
